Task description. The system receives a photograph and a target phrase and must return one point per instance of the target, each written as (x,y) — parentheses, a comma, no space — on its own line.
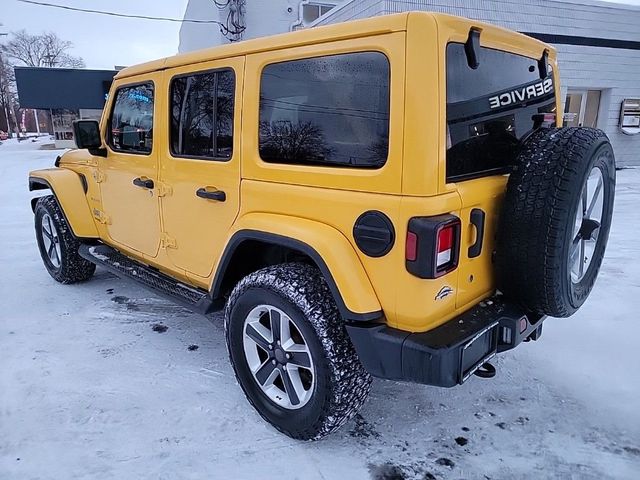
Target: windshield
(490,109)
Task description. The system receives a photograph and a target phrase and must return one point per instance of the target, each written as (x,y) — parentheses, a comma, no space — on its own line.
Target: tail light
(432,245)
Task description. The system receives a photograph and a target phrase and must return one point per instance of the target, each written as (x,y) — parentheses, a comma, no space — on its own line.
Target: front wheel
(291,353)
(58,246)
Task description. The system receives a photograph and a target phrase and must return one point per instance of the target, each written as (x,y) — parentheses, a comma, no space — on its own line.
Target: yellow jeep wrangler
(391,197)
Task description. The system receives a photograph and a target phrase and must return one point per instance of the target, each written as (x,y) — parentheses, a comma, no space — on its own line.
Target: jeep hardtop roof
(371,26)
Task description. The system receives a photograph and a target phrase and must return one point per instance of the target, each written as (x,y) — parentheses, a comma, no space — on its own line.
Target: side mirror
(87,134)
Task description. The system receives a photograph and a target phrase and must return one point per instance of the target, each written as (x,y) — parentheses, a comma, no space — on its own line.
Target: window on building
(132,119)
(311,12)
(490,108)
(331,110)
(202,115)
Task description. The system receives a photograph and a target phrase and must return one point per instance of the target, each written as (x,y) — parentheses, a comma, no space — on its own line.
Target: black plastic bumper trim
(450,353)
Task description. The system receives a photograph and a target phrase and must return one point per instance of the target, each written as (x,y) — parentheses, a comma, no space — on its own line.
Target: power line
(123,15)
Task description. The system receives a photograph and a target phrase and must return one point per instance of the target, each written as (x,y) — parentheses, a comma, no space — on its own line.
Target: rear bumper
(449,354)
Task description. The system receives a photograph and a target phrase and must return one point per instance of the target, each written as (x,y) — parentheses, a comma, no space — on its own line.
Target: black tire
(66,266)
(341,382)
(540,216)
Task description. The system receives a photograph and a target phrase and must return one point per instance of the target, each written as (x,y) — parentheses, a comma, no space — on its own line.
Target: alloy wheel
(51,241)
(586,225)
(278,356)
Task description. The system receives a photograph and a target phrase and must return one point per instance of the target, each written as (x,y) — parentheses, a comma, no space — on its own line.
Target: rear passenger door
(200,165)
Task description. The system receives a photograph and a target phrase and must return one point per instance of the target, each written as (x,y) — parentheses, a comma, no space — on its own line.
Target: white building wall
(194,36)
(262,17)
(566,17)
(615,71)
(349,10)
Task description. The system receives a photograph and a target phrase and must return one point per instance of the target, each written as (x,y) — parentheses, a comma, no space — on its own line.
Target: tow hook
(486,370)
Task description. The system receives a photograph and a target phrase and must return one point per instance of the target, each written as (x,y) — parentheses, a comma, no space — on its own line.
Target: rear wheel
(555,220)
(58,246)
(291,353)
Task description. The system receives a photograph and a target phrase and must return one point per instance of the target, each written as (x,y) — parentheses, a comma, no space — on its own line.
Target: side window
(330,111)
(202,115)
(131,125)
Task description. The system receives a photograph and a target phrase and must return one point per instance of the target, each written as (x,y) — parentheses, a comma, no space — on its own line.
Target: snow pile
(103,380)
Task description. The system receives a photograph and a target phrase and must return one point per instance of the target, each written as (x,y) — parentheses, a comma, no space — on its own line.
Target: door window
(131,124)
(202,115)
(312,11)
(328,111)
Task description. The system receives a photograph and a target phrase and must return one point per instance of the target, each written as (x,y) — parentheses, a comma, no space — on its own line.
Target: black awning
(67,88)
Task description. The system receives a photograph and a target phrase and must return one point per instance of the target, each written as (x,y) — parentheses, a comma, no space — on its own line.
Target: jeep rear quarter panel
(331,196)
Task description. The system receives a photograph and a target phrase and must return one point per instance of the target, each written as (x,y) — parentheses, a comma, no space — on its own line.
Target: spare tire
(555,220)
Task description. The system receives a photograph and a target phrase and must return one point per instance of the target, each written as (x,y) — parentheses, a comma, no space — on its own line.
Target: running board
(124,267)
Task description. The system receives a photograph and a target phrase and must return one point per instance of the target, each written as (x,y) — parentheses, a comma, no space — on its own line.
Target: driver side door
(128,174)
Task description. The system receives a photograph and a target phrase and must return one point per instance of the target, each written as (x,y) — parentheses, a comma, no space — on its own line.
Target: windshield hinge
(167,242)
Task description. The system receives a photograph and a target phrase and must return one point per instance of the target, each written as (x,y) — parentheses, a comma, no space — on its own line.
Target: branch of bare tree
(45,50)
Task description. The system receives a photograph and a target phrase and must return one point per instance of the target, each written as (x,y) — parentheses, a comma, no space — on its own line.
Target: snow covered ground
(89,390)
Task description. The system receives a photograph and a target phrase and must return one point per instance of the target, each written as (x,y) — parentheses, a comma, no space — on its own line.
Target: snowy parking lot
(103,380)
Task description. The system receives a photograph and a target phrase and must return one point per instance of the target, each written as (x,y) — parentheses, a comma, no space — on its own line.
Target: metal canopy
(53,88)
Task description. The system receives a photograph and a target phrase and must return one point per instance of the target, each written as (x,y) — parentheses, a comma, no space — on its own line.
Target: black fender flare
(274,239)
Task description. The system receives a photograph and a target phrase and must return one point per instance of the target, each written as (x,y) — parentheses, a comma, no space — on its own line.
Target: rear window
(327,111)
(490,109)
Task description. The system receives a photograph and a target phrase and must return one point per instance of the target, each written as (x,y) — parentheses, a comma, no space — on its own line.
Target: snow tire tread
(536,213)
(73,268)
(349,383)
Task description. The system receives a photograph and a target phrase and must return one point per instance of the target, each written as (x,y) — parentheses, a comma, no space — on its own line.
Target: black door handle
(477,220)
(217,195)
(139,182)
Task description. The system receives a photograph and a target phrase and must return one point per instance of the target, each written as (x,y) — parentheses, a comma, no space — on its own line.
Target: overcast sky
(107,41)
(101,40)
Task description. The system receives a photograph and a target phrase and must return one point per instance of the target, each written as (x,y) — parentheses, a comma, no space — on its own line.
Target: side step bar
(194,299)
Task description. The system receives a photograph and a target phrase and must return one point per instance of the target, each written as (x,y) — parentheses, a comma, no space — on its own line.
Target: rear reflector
(411,250)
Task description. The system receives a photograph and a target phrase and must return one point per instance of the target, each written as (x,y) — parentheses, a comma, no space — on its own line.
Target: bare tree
(45,50)
(8,96)
(289,142)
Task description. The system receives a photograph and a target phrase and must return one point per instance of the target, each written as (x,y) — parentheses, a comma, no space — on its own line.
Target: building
(242,19)
(598,45)
(68,94)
